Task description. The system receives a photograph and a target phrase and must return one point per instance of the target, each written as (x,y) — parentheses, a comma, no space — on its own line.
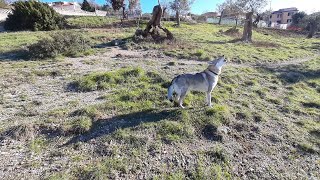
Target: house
(60,5)
(282,16)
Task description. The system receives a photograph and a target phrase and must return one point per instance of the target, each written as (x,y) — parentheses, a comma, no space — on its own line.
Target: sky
(201,6)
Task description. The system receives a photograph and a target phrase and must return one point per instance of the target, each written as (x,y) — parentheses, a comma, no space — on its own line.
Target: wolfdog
(204,81)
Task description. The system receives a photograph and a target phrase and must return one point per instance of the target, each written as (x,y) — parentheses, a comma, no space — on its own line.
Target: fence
(226,21)
(79,12)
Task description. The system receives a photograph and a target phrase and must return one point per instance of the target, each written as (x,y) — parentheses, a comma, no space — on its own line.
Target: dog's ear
(214,62)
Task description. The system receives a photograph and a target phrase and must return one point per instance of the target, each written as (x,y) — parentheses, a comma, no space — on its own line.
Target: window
(270,16)
(289,20)
(278,15)
(289,14)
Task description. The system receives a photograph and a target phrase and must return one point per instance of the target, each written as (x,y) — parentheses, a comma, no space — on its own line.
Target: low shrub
(65,43)
(80,125)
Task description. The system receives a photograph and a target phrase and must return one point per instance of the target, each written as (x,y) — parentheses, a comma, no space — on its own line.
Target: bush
(81,125)
(33,15)
(66,43)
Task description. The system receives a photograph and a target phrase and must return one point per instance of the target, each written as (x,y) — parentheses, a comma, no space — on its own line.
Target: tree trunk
(123,13)
(247,30)
(178,18)
(221,17)
(155,25)
(313,28)
(236,22)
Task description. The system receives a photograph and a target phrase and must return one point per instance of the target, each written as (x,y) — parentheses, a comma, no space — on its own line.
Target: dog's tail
(171,90)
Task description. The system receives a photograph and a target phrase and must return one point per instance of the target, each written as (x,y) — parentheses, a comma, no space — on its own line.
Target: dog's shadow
(107,126)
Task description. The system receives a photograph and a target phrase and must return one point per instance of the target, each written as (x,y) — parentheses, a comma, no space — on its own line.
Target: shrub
(81,125)
(33,15)
(63,43)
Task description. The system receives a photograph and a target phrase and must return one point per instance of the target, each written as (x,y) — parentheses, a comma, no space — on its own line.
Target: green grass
(17,40)
(90,21)
(200,41)
(205,42)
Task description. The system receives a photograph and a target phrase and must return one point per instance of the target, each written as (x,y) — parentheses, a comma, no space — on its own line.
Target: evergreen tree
(86,6)
(33,15)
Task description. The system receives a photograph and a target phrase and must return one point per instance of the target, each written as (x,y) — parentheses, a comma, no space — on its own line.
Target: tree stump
(154,25)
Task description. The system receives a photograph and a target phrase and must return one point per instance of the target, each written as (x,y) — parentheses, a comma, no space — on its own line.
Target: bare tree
(180,7)
(249,7)
(312,21)
(231,9)
(117,5)
(220,9)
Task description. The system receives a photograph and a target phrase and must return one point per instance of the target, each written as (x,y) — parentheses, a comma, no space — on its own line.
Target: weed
(80,125)
(58,113)
(127,137)
(306,147)
(90,111)
(173,131)
(38,144)
(220,113)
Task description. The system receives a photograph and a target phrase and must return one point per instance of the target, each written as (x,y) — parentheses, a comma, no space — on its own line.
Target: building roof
(285,10)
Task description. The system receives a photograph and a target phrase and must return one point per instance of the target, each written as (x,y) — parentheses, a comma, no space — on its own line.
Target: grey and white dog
(204,81)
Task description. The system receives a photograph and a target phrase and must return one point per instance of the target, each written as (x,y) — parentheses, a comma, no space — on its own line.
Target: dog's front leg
(182,96)
(209,99)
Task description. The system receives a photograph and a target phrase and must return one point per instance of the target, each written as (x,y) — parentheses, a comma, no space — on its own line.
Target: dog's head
(218,63)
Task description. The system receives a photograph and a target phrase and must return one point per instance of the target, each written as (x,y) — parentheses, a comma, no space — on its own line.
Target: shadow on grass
(114,43)
(107,126)
(294,73)
(222,42)
(15,55)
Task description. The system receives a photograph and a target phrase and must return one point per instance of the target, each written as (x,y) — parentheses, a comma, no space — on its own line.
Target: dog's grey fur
(204,81)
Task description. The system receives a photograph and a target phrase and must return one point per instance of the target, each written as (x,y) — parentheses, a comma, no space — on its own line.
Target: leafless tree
(231,9)
(312,21)
(180,7)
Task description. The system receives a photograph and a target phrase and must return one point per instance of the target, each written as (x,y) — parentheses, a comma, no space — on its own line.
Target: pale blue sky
(201,6)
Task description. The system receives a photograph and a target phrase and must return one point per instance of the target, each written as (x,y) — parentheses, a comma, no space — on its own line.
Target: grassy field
(199,41)
(105,116)
(90,21)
